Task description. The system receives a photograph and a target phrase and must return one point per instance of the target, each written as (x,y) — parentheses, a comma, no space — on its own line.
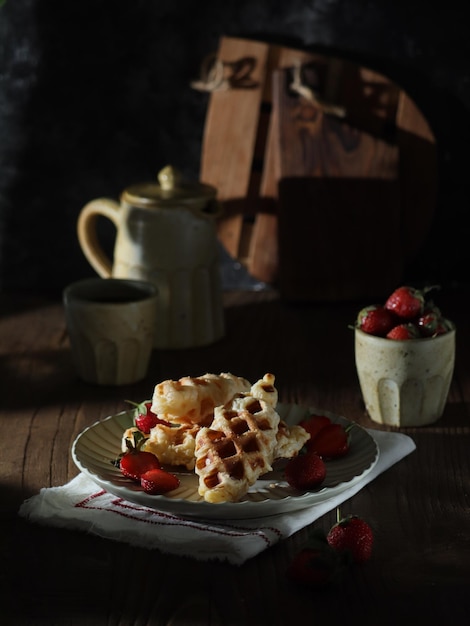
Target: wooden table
(419,509)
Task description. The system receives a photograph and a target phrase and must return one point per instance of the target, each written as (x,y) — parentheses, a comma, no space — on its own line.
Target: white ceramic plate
(98,445)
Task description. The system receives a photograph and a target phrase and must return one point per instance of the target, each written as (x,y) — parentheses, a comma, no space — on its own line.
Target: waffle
(172,445)
(192,400)
(239,445)
(289,440)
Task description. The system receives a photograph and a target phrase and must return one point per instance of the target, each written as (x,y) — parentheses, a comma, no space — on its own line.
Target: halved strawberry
(313,425)
(158,481)
(331,442)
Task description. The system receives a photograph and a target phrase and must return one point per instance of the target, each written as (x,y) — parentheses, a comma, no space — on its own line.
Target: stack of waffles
(224,428)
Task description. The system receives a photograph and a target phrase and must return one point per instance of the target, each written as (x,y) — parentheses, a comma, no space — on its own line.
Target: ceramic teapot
(165,234)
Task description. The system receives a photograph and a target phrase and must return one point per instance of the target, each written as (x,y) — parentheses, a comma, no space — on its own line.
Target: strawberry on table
(352,537)
(317,564)
(312,567)
(306,471)
(158,481)
(326,557)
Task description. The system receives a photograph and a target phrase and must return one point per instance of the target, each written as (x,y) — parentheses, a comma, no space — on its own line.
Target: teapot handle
(87,233)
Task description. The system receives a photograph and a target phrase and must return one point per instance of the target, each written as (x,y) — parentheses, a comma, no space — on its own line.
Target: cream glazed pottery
(405,383)
(111,324)
(165,234)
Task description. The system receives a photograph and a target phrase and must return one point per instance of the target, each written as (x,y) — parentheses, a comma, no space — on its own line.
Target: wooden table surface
(419,509)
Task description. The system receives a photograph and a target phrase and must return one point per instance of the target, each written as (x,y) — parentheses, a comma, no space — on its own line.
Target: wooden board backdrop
(324,206)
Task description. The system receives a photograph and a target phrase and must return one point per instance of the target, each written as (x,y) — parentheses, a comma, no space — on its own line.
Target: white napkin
(82,505)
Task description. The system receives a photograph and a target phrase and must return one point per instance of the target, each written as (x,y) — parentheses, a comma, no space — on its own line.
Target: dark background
(95,95)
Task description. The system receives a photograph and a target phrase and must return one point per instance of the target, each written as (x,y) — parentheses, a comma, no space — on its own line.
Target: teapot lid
(170,190)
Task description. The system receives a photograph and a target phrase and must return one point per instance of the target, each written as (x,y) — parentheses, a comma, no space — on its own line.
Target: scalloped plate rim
(246,509)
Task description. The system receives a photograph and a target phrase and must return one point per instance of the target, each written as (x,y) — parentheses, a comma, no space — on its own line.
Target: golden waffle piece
(289,440)
(264,389)
(239,445)
(172,445)
(192,399)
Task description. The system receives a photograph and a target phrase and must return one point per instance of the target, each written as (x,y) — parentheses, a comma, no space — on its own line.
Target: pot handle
(87,233)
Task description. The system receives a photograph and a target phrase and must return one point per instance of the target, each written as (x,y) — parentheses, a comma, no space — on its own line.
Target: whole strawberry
(353,537)
(432,323)
(144,418)
(317,564)
(312,567)
(403,332)
(376,320)
(429,323)
(443,327)
(406,302)
(306,471)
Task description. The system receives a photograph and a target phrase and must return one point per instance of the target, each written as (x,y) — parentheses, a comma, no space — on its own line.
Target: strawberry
(444,326)
(312,567)
(353,537)
(428,323)
(432,323)
(306,471)
(144,419)
(313,424)
(404,332)
(406,302)
(136,462)
(157,481)
(331,442)
(317,564)
(376,320)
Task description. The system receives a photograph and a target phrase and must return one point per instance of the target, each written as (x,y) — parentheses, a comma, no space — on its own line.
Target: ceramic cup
(111,325)
(404,383)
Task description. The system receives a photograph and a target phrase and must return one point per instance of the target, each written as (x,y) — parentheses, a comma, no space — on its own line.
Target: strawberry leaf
(135,441)
(140,407)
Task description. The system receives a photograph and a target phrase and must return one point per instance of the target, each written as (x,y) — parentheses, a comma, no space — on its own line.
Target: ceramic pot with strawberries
(405,354)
